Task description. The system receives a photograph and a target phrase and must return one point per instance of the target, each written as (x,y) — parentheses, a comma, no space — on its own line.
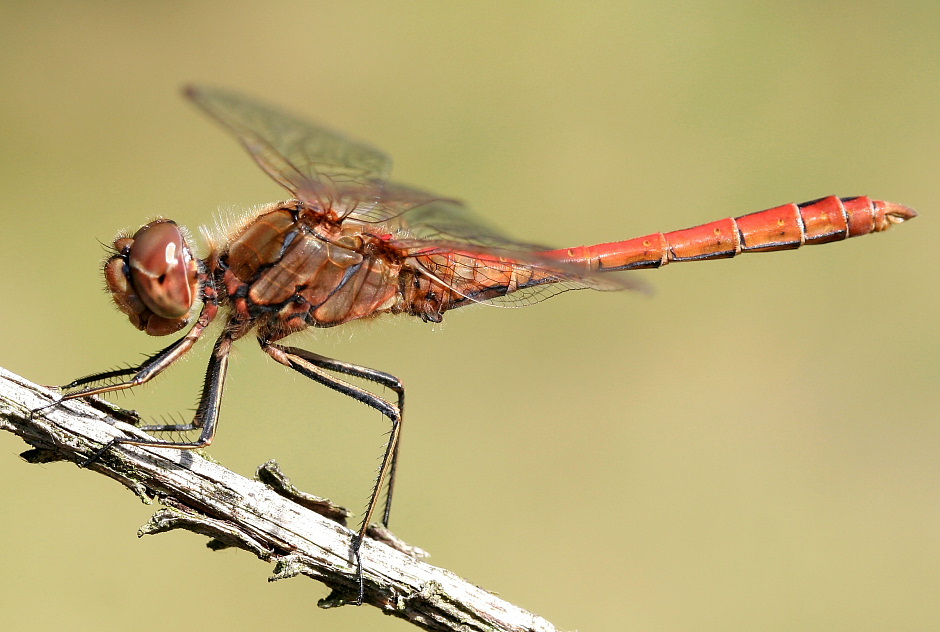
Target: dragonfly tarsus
(97,453)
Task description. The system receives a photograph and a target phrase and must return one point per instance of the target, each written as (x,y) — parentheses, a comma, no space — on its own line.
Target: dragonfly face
(153,278)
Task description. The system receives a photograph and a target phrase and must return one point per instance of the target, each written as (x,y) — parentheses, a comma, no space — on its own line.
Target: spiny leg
(152,366)
(207,412)
(382,405)
(98,383)
(314,366)
(140,374)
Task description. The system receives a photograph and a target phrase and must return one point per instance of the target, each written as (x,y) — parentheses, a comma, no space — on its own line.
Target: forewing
(316,164)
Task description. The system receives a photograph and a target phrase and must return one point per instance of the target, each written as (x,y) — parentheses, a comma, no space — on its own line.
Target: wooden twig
(300,534)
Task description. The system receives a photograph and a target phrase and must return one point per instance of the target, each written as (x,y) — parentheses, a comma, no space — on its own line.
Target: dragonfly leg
(98,383)
(207,412)
(316,367)
(103,382)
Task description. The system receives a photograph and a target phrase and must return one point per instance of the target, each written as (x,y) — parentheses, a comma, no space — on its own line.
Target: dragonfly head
(153,277)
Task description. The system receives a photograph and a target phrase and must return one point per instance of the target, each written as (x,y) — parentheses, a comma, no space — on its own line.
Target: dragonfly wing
(442,239)
(349,179)
(499,276)
(316,164)
(539,293)
(413,214)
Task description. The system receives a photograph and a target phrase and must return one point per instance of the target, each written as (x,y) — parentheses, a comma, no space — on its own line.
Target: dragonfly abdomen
(780,228)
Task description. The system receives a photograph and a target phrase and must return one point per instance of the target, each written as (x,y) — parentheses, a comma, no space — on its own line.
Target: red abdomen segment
(782,228)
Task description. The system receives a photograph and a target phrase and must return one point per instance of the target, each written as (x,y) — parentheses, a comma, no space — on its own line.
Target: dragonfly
(350,245)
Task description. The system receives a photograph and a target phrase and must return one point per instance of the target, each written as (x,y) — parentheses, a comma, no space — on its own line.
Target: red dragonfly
(352,245)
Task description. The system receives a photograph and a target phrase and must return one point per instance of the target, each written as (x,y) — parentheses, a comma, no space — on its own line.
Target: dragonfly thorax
(290,268)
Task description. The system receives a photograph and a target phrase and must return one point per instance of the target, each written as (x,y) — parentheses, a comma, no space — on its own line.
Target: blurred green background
(754,448)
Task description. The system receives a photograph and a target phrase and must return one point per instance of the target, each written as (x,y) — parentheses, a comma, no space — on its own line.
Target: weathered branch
(301,534)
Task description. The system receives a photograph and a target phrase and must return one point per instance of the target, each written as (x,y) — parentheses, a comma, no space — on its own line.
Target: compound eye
(161,269)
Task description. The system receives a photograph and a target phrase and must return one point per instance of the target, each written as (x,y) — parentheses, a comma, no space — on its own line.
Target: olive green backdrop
(755,447)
